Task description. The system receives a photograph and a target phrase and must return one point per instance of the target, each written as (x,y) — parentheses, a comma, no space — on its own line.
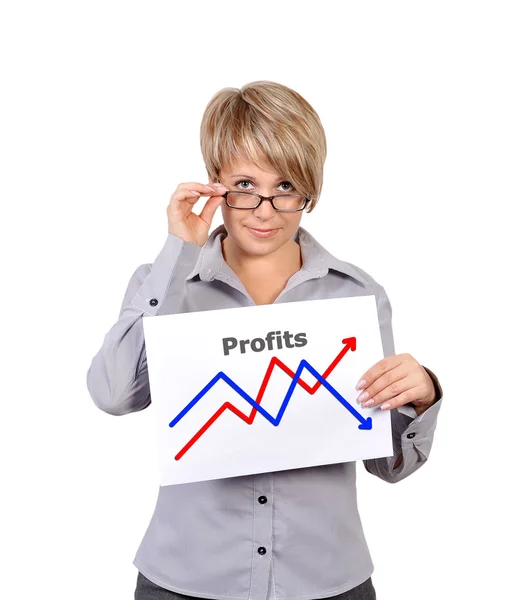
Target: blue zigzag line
(365,424)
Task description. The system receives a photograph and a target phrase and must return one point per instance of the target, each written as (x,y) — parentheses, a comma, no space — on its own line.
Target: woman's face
(262,230)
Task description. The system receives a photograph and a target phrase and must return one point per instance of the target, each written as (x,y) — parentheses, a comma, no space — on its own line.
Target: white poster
(264,388)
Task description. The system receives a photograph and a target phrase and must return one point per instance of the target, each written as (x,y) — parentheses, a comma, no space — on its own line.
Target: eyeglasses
(251,200)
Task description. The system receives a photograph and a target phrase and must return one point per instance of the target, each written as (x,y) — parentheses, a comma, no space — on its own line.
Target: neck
(285,261)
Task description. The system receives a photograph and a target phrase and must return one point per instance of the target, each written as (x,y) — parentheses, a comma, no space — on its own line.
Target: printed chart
(271,388)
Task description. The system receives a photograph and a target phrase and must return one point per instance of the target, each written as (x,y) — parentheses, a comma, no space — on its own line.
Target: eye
(291,186)
(243,181)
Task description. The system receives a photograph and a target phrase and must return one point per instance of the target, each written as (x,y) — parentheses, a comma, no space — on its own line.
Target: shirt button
(262,499)
(261,550)
(153,302)
(410,435)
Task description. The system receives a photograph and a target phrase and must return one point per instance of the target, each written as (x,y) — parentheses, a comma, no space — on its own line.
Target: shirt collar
(316,260)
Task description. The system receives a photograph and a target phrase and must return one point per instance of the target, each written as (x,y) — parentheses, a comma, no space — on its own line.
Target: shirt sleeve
(412,434)
(117,378)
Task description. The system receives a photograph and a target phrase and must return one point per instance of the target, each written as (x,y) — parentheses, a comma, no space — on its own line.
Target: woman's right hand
(186,224)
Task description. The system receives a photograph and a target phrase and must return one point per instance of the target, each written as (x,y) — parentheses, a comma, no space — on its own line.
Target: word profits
(258,344)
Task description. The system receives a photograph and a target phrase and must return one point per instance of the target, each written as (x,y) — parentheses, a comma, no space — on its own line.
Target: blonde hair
(266,121)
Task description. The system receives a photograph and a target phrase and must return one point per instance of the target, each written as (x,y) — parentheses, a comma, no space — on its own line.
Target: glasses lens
(289,202)
(242,200)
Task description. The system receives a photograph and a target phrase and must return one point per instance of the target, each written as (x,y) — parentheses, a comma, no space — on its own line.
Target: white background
(423,104)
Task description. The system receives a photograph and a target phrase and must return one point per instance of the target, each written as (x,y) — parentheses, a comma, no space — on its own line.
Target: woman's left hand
(394,381)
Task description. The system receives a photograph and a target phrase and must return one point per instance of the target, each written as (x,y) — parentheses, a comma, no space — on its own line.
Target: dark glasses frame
(267,198)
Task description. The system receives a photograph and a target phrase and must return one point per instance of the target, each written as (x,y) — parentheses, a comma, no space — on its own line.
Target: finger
(191,196)
(204,189)
(192,191)
(378,370)
(184,197)
(410,395)
(194,185)
(375,395)
(388,381)
(211,206)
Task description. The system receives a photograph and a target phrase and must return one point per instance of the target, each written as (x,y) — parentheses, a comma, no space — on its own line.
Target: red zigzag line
(349,343)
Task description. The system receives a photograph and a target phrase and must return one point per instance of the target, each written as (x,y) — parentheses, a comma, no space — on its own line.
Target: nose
(265,211)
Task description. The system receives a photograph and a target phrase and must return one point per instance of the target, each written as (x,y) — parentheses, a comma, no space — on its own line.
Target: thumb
(211,206)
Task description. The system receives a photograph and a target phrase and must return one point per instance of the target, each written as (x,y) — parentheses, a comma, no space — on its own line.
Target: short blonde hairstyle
(268,122)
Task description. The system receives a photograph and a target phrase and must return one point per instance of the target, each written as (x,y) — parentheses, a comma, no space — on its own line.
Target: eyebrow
(252,177)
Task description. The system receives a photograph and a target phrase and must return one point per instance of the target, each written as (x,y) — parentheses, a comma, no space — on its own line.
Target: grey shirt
(291,535)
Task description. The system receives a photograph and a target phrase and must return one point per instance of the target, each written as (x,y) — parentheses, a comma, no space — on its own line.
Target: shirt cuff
(171,268)
(419,432)
(415,444)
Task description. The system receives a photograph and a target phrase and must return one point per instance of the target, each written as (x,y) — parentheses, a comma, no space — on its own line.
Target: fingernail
(363,396)
(369,403)
(386,406)
(361,384)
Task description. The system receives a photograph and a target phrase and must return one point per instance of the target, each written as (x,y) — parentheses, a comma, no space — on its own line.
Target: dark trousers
(146,590)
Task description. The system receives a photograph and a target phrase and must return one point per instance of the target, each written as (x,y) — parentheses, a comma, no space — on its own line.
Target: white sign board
(264,388)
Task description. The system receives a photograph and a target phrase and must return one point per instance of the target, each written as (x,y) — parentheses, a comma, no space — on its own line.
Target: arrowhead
(368,424)
(350,343)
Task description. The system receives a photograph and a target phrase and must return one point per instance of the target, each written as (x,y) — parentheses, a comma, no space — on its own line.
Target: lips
(261,233)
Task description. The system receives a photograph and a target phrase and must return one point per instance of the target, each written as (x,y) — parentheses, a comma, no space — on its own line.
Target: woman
(292,534)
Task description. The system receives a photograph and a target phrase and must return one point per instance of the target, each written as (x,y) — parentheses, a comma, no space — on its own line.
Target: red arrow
(349,344)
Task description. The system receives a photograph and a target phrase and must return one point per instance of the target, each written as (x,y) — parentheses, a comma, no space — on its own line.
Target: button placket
(262,534)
